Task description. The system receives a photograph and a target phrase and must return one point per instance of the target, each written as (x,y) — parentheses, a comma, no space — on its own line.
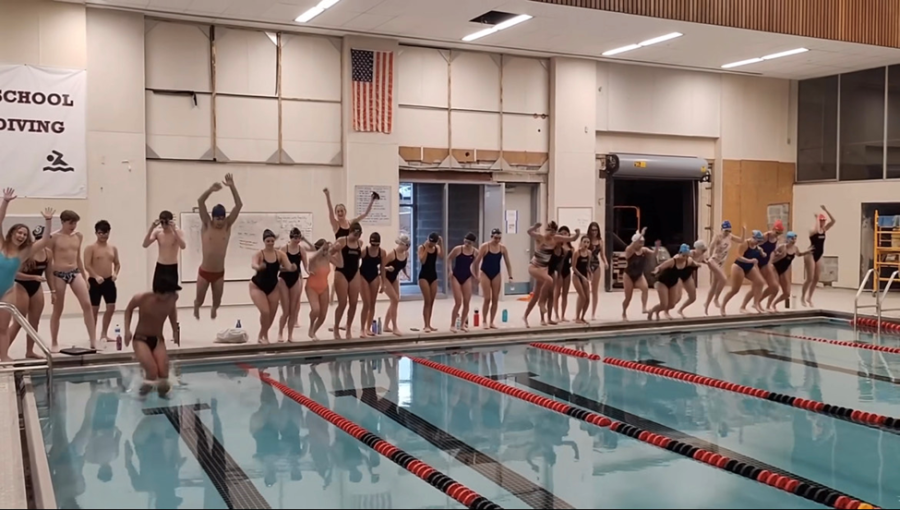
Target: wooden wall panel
(749,187)
(861,21)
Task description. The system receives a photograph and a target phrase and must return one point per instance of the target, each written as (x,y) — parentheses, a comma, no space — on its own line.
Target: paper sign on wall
(42,131)
(381,209)
(512,221)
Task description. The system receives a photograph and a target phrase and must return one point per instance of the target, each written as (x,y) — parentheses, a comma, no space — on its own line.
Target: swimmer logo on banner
(42,131)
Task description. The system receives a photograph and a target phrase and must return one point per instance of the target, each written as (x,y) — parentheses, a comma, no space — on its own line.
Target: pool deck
(200,334)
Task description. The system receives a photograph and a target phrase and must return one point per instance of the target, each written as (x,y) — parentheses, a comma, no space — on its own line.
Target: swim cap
(726,225)
(433,237)
(403,239)
(375,237)
(218,211)
(791,235)
(471,237)
(778,225)
(356,227)
(295,233)
(822,217)
(700,244)
(637,237)
(38,232)
(564,229)
(496,232)
(267,234)
(757,235)
(684,249)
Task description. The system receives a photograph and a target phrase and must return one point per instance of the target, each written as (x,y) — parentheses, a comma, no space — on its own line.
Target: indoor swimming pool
(676,420)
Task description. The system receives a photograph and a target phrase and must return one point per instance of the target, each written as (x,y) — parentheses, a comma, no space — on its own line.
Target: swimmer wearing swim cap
(488,274)
(395,262)
(346,278)
(215,233)
(768,245)
(460,261)
(719,248)
(824,222)
(370,286)
(636,256)
(782,260)
(747,266)
(679,268)
(296,254)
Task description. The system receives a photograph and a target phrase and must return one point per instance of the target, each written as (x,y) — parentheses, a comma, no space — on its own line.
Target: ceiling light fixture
(315,11)
(648,42)
(496,28)
(767,57)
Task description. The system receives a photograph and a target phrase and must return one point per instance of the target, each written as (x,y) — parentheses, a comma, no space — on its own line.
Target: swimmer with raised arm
(215,232)
(169,241)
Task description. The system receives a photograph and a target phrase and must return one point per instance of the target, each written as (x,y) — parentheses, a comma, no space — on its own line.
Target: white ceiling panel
(554,30)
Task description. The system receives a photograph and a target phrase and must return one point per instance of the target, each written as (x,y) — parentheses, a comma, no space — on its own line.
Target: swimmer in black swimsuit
(149,345)
(581,266)
(290,288)
(29,280)
(598,264)
(746,266)
(337,215)
(545,244)
(347,280)
(487,270)
(460,261)
(635,262)
(768,246)
(429,253)
(370,269)
(689,285)
(813,261)
(267,263)
(393,263)
(563,281)
(781,263)
(669,274)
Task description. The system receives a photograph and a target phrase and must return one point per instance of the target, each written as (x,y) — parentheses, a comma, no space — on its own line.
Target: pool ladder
(879,301)
(29,365)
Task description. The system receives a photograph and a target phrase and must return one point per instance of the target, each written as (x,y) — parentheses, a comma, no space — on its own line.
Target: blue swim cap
(757,235)
(791,235)
(219,211)
(684,249)
(726,225)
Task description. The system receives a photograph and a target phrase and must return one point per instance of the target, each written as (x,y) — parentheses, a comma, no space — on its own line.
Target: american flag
(373,90)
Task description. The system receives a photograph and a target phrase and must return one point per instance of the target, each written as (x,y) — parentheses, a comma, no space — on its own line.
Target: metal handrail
(880,300)
(33,335)
(859,291)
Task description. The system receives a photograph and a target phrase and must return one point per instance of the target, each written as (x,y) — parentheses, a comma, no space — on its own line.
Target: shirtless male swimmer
(101,262)
(215,232)
(149,345)
(68,271)
(169,241)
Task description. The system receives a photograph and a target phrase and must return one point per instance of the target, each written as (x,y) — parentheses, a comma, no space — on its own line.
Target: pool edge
(41,480)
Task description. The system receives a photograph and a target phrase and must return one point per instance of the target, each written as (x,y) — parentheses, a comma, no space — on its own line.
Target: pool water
(227,438)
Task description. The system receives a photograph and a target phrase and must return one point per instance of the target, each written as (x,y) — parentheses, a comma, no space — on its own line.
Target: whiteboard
(246,239)
(32,220)
(574,217)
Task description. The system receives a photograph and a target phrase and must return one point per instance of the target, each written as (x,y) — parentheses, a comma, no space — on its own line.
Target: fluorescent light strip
(757,60)
(648,42)
(496,28)
(315,11)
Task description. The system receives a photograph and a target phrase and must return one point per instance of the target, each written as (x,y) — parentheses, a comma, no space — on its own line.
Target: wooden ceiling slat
(872,22)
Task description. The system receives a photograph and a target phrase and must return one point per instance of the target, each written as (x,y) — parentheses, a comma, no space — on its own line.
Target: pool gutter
(41,481)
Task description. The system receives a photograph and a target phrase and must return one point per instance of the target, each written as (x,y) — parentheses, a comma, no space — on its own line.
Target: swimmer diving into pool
(215,232)
(149,345)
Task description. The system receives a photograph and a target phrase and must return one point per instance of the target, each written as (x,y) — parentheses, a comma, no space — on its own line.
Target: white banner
(42,131)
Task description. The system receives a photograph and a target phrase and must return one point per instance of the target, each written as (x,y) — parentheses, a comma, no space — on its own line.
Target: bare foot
(543,322)
(54,348)
(759,309)
(262,340)
(452,329)
(667,315)
(464,329)
(525,320)
(397,332)
(94,345)
(722,308)
(312,334)
(213,312)
(742,310)
(706,310)
(624,317)
(6,359)
(106,338)
(196,312)
(280,337)
(681,313)
(33,355)
(716,302)
(492,326)
(363,333)
(337,333)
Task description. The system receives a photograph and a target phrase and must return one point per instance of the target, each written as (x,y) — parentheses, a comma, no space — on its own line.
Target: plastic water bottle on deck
(458,322)
(476,319)
(374,327)
(118,338)
(379,330)
(238,325)
(505,316)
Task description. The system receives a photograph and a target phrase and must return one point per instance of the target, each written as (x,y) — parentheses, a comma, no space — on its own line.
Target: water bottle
(504,316)
(238,325)
(118,338)
(380,330)
(178,334)
(476,319)
(374,327)
(458,322)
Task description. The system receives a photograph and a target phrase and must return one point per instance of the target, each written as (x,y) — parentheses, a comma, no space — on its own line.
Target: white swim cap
(700,244)
(403,239)
(637,237)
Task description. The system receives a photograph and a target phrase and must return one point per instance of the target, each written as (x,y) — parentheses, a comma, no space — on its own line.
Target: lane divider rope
(819,494)
(780,398)
(433,477)
(842,343)
(889,327)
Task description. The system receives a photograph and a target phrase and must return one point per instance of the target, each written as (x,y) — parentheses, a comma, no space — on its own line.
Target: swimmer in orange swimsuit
(320,262)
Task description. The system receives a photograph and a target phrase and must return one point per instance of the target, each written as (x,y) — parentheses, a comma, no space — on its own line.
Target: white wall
(844,200)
